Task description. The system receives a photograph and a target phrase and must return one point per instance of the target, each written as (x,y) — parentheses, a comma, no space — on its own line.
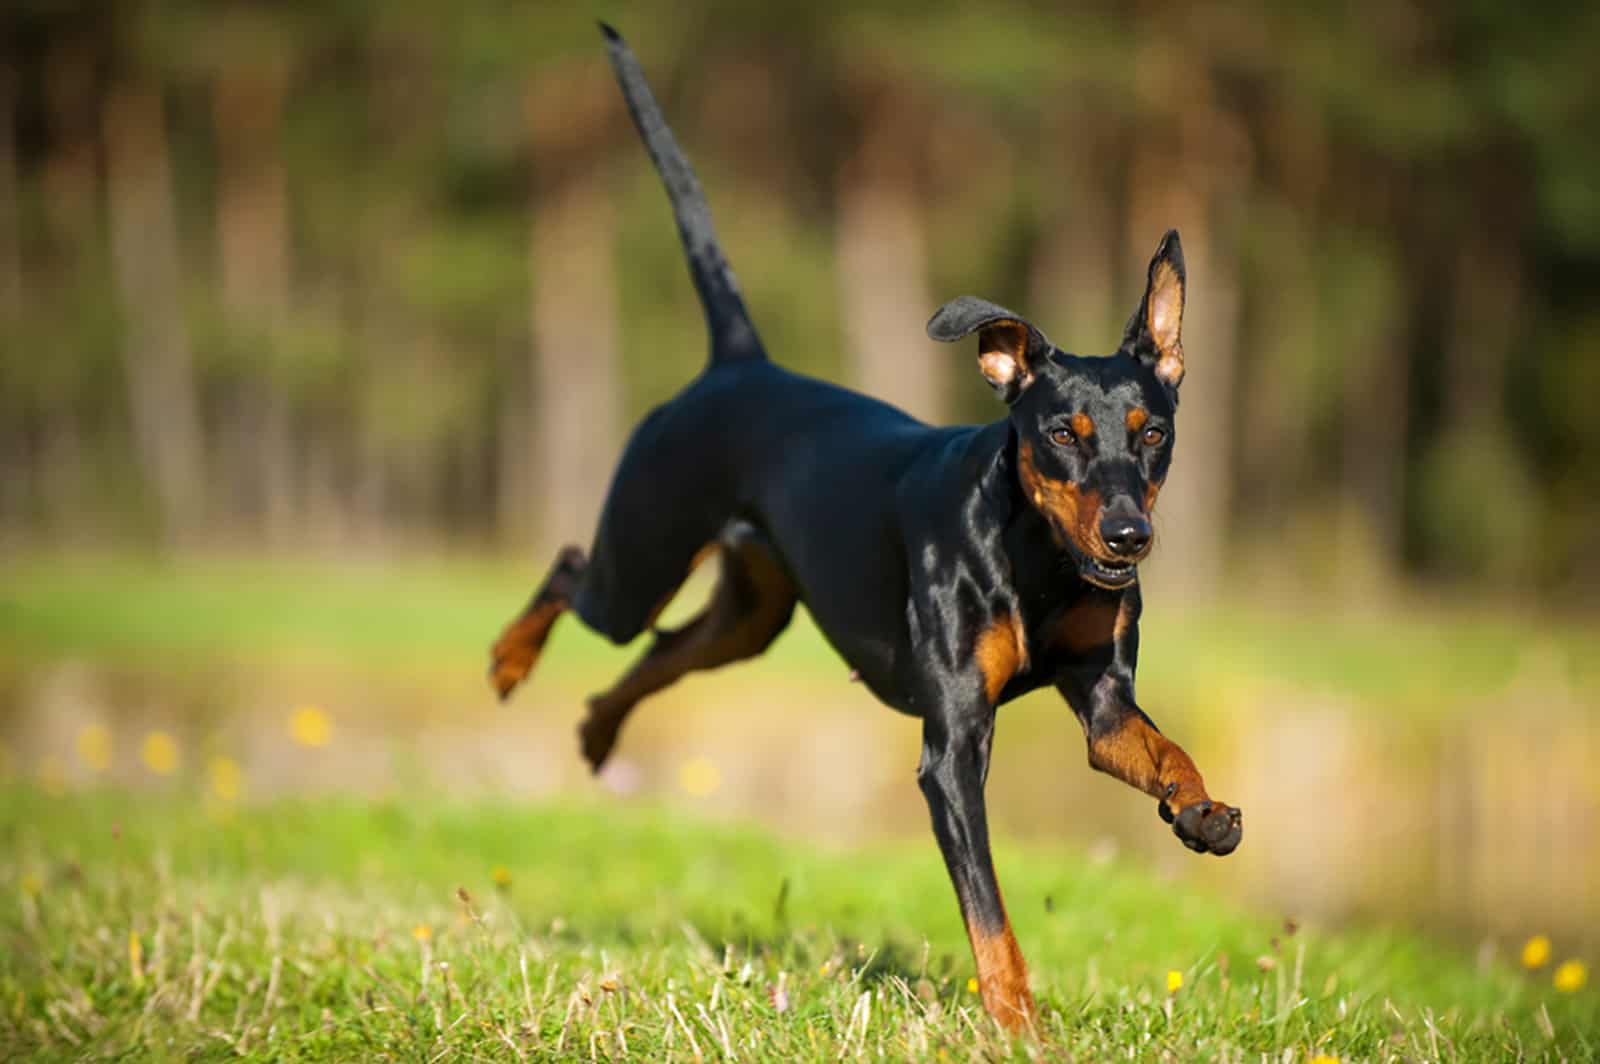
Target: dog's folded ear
(1155,332)
(1009,347)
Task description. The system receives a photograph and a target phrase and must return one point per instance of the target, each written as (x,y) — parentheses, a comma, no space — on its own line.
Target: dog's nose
(1125,536)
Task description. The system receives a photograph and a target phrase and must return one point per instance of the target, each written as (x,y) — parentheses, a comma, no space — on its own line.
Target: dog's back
(752,442)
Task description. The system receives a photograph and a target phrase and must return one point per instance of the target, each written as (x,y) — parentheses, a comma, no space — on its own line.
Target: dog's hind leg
(517,650)
(753,601)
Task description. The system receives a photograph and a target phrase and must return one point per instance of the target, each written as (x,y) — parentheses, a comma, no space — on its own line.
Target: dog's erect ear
(1009,347)
(1155,332)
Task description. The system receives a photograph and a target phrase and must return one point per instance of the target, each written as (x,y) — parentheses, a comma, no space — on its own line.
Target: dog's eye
(1153,437)
(1063,437)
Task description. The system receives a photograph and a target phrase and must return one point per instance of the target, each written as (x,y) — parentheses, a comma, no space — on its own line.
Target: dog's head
(1094,435)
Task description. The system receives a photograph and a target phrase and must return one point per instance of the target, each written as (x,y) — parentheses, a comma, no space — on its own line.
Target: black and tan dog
(954,569)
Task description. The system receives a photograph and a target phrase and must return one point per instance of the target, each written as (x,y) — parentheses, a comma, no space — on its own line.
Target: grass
(443,613)
(165,927)
(155,924)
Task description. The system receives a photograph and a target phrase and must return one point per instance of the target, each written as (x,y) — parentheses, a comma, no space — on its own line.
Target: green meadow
(425,929)
(168,913)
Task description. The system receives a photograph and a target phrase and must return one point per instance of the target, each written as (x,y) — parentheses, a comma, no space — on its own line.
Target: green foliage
(1342,159)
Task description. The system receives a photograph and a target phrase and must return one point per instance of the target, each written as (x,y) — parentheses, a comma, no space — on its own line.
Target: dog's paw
(1206,826)
(597,734)
(509,665)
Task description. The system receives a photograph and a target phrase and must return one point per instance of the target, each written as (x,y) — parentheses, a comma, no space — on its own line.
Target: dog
(953,569)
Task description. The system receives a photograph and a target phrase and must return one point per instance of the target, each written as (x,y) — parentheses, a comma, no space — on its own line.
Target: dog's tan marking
(1082,426)
(1087,625)
(1072,513)
(1001,652)
(1140,756)
(515,653)
(1003,353)
(997,369)
(517,650)
(1137,416)
(1002,975)
(1164,316)
(1124,619)
(751,603)
(1150,494)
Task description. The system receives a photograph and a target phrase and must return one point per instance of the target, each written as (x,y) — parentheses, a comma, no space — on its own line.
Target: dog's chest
(1070,630)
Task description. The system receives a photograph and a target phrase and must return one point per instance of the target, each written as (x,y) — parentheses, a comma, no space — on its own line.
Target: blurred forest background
(359,274)
(322,324)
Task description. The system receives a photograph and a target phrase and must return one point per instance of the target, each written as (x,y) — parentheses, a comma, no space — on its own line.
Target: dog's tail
(733,336)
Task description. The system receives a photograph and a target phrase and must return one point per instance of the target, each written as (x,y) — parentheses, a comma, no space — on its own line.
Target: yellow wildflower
(1174,981)
(226,777)
(94,746)
(135,958)
(972,985)
(1571,976)
(699,777)
(422,932)
(502,877)
(159,752)
(310,726)
(1323,1058)
(1536,952)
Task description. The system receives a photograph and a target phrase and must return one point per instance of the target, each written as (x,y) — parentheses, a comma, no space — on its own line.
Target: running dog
(953,569)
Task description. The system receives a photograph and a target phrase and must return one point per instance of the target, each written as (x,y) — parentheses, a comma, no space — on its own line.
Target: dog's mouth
(1113,576)
(1092,565)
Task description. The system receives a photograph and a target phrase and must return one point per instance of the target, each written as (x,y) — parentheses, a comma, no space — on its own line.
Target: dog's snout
(1125,536)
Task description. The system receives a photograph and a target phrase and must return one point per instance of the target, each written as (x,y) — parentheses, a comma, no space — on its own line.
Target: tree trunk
(10,237)
(70,178)
(516,519)
(1274,452)
(578,384)
(252,228)
(63,446)
(162,394)
(1487,310)
(1371,521)
(1373,351)
(1278,374)
(1192,520)
(16,466)
(1173,188)
(882,265)
(1072,292)
(1476,454)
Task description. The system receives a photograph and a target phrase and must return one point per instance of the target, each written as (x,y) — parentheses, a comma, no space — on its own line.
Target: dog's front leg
(1125,743)
(955,763)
